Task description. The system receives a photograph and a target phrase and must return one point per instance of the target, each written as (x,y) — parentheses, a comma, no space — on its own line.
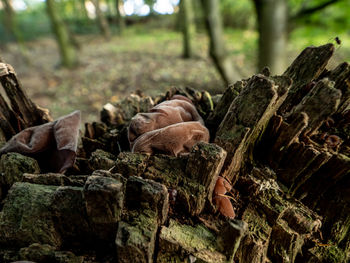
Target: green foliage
(334,17)
(238,14)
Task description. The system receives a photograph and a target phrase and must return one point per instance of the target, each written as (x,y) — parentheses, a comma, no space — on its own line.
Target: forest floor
(149,61)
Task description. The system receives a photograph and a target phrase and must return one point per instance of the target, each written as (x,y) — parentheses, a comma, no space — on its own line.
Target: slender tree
(187,27)
(272,17)
(67,49)
(275,23)
(120,19)
(83,7)
(101,20)
(11,27)
(217,48)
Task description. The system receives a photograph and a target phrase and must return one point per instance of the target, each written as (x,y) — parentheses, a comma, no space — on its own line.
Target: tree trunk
(67,50)
(83,8)
(11,26)
(187,27)
(101,20)
(272,17)
(217,44)
(120,18)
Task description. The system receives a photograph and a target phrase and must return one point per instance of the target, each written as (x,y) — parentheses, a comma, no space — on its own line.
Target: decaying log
(147,205)
(282,141)
(328,175)
(247,118)
(204,165)
(321,102)
(307,67)
(221,108)
(193,177)
(341,77)
(27,113)
(22,112)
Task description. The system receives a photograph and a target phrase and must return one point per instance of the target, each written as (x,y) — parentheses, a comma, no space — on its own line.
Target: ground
(146,60)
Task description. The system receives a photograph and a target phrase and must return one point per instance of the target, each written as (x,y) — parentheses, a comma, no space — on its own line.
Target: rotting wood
(247,118)
(29,113)
(341,77)
(291,194)
(222,107)
(321,102)
(22,112)
(307,67)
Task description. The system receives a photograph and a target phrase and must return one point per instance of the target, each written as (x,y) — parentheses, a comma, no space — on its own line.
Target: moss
(131,164)
(14,165)
(232,135)
(196,240)
(257,225)
(191,238)
(335,254)
(101,160)
(191,196)
(26,216)
(207,148)
(166,170)
(329,254)
(136,238)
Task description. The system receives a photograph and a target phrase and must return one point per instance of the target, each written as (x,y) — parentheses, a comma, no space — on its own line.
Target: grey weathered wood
(285,243)
(147,205)
(247,118)
(341,77)
(23,109)
(321,102)
(223,105)
(307,67)
(287,134)
(204,165)
(329,174)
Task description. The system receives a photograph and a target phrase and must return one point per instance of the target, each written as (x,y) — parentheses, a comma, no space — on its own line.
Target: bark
(187,26)
(67,50)
(101,20)
(83,9)
(303,71)
(11,26)
(247,117)
(21,112)
(272,19)
(120,17)
(222,107)
(217,48)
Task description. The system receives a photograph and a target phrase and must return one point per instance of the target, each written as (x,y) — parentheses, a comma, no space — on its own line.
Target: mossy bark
(68,52)
(101,20)
(188,27)
(217,48)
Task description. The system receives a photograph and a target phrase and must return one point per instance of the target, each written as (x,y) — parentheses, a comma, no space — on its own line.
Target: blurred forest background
(80,54)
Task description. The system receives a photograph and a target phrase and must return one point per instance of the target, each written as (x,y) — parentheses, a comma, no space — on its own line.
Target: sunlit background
(131,7)
(132,45)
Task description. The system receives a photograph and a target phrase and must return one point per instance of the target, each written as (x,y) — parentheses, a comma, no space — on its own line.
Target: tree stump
(282,141)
